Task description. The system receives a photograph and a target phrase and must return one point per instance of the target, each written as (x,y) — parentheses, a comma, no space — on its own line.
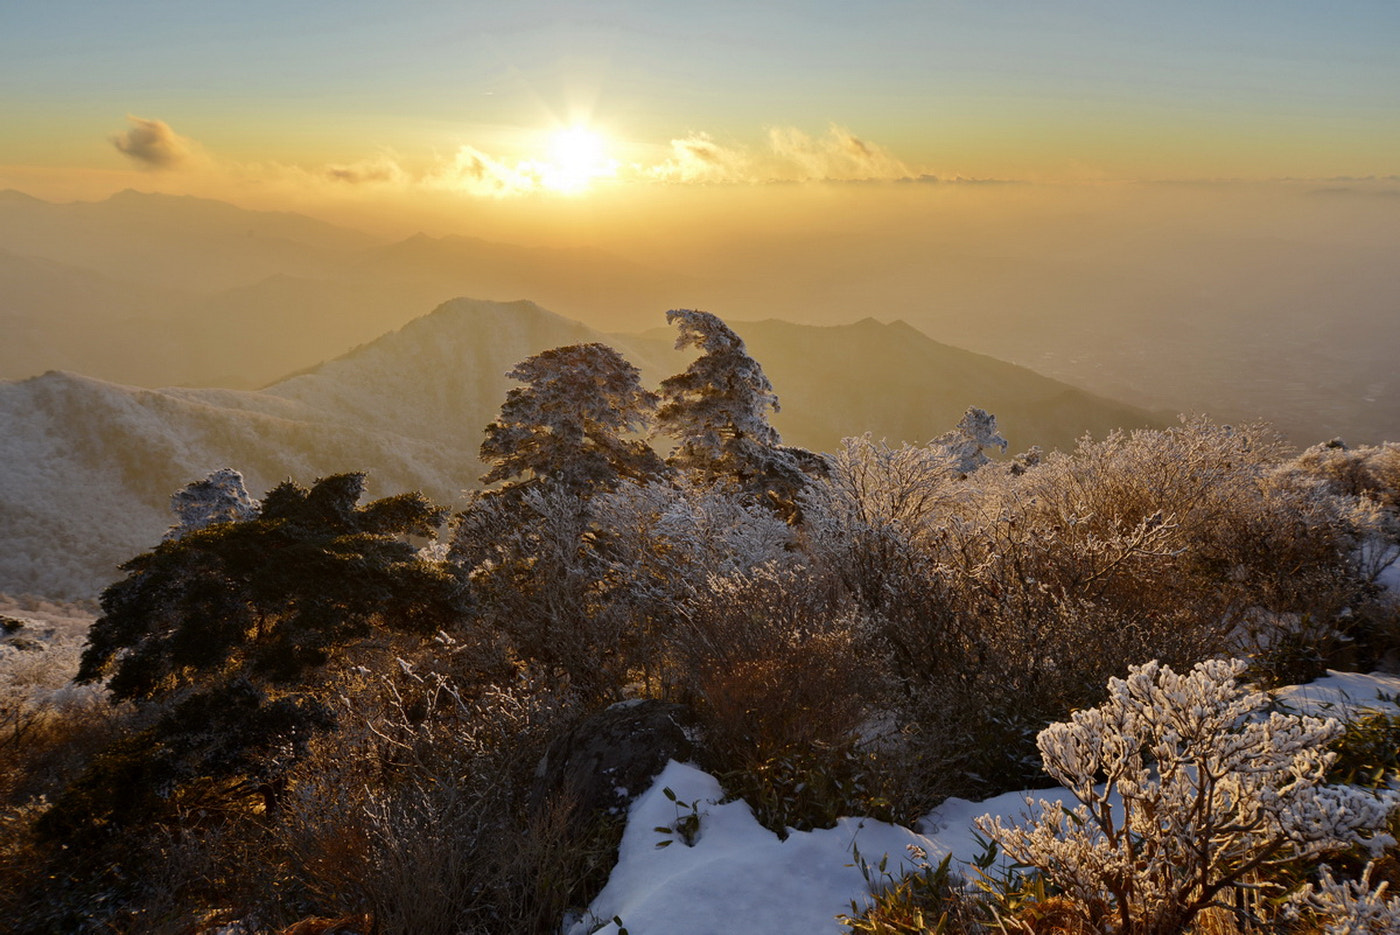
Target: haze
(1181,206)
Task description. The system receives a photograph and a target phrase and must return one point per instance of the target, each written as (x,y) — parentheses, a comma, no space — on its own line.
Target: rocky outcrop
(611,757)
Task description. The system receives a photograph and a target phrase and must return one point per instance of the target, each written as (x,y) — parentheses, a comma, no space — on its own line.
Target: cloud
(698,158)
(839,156)
(788,155)
(473,172)
(378,170)
(153,145)
(785,154)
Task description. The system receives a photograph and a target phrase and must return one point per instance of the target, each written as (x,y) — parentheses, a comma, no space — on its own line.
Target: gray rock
(609,758)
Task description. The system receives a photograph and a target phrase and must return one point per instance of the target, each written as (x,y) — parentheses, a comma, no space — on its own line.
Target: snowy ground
(738,873)
(40,644)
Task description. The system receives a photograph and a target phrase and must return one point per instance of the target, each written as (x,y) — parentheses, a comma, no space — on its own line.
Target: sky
(350,99)
(1130,195)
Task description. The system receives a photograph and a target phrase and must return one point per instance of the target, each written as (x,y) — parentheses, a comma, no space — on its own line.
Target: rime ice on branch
(717,410)
(1188,786)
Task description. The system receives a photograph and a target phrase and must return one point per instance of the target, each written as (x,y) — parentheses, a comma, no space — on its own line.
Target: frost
(219,498)
(965,444)
(1186,786)
(1350,907)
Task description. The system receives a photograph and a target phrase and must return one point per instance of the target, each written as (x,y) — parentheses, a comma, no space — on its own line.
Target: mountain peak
(11,196)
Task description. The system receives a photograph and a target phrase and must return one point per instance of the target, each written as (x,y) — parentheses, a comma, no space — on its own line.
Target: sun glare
(577,156)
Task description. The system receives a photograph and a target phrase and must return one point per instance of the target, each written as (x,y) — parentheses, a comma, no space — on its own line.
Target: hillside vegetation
(408,408)
(313,705)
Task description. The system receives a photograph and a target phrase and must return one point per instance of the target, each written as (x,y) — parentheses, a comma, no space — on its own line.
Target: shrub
(418,813)
(983,592)
(778,671)
(1209,793)
(922,902)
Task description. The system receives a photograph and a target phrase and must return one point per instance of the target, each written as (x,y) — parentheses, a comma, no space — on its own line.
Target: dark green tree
(219,636)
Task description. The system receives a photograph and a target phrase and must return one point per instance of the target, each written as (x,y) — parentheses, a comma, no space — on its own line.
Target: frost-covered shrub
(592,586)
(1361,486)
(984,590)
(1187,787)
(1349,907)
(869,521)
(536,579)
(1368,471)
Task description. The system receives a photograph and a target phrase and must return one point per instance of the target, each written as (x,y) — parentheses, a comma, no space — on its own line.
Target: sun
(577,156)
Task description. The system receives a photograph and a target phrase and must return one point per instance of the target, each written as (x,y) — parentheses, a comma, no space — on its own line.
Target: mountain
(209,294)
(174,241)
(88,466)
(895,381)
(67,317)
(599,287)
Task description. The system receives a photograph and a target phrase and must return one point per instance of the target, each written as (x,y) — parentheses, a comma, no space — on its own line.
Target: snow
(737,870)
(1389,578)
(1343,694)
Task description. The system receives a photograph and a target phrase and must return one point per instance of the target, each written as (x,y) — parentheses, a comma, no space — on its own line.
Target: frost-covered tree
(1189,786)
(570,422)
(967,443)
(717,411)
(219,498)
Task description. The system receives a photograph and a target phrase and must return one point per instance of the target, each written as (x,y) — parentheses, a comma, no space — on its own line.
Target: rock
(609,758)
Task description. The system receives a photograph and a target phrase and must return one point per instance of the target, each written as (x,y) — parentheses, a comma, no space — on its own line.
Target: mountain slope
(898,383)
(88,466)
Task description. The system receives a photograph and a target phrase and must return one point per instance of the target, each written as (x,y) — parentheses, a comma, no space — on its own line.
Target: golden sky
(353,100)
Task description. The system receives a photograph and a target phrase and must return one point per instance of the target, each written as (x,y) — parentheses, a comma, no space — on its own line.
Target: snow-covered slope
(87,467)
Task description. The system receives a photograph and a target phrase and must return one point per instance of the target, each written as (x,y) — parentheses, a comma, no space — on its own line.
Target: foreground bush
(983,589)
(1188,789)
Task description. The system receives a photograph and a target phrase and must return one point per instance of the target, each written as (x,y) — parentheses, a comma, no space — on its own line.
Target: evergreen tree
(568,424)
(717,410)
(220,634)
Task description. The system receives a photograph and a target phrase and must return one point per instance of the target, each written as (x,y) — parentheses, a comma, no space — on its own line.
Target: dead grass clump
(773,660)
(416,814)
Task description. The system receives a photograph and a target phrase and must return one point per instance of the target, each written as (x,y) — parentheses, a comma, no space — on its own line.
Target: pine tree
(220,636)
(717,410)
(569,424)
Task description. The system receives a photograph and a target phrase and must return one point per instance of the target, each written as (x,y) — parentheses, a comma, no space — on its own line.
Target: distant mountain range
(88,466)
(1299,327)
(159,290)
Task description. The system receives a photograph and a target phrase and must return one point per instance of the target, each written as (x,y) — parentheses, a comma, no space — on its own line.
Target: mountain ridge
(89,465)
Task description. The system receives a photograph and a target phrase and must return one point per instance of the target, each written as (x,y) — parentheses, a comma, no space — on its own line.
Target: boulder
(609,758)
